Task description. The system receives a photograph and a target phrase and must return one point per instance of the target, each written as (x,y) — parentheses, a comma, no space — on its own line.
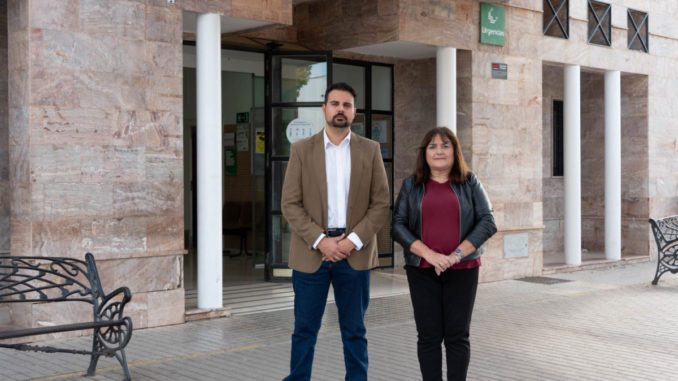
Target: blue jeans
(351,295)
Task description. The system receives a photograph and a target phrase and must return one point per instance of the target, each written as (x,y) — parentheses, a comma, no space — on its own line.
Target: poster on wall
(230,162)
(298,129)
(380,130)
(242,137)
(261,142)
(229,139)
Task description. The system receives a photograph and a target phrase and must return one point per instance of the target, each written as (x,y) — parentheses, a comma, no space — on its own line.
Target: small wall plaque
(515,245)
(499,70)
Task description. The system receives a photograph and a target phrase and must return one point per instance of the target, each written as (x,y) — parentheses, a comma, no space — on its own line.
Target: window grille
(600,24)
(557,18)
(637,31)
(558,160)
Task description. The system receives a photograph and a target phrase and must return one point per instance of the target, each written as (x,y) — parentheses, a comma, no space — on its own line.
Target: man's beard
(340,124)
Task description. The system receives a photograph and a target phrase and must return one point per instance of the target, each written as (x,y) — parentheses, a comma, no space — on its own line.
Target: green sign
(242,117)
(230,162)
(492,24)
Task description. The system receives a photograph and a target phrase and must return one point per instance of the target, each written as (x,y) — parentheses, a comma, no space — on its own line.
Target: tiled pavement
(599,325)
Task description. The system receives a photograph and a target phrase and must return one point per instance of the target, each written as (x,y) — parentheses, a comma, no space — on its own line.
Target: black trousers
(442,312)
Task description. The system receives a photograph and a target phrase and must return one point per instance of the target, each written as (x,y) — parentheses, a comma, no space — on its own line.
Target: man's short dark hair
(343,86)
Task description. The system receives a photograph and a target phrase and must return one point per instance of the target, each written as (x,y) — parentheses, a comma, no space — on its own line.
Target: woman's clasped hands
(441,262)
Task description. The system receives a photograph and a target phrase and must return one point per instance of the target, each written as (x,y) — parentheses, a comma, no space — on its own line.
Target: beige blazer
(304,201)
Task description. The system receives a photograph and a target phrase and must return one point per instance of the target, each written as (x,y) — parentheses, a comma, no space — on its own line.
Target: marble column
(572,161)
(208,75)
(446,88)
(613,165)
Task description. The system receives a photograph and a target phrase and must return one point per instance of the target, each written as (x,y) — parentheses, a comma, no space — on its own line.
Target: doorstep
(594,264)
(206,313)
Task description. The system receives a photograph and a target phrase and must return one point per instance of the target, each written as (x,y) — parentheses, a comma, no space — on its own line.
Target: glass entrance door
(295,91)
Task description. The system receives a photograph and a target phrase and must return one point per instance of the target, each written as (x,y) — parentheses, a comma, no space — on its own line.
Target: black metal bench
(665,232)
(52,279)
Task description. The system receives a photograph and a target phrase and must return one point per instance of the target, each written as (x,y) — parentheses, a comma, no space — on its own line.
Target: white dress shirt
(338,174)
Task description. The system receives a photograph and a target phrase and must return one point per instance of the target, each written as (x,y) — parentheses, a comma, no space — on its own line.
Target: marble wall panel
(165,59)
(57,239)
(56,15)
(68,201)
(336,25)
(414,85)
(438,22)
(19,183)
(636,237)
(163,166)
(165,234)
(4,133)
(163,24)
(202,6)
(592,162)
(18,126)
(123,19)
(75,51)
(113,237)
(21,238)
(4,217)
(555,243)
(85,89)
(79,126)
(55,164)
(166,307)
(150,129)
(137,309)
(280,11)
(148,199)
(112,164)
(165,93)
(18,87)
(17,15)
(49,314)
(134,273)
(592,234)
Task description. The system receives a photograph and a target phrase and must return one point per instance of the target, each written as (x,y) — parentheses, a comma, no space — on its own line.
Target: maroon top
(440,222)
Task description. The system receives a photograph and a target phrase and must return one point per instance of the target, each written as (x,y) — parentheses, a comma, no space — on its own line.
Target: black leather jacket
(475,214)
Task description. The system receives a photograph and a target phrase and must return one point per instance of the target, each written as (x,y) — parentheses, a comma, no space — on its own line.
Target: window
(600,24)
(557,18)
(637,31)
(558,166)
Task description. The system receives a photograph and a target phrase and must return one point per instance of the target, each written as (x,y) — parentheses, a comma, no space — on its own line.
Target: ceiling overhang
(397,49)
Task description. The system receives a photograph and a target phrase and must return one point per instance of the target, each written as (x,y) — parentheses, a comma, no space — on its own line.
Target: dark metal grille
(637,31)
(600,24)
(558,154)
(557,18)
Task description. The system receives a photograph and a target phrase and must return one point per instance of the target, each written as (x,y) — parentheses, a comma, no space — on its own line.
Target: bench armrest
(111,308)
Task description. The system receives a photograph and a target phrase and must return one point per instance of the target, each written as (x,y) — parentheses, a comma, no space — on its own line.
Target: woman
(442,217)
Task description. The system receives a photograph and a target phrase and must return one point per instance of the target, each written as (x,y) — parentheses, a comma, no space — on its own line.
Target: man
(335,198)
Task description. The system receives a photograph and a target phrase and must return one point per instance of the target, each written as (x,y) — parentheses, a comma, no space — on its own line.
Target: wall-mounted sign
(242,117)
(230,162)
(299,129)
(229,139)
(242,137)
(499,70)
(261,142)
(492,24)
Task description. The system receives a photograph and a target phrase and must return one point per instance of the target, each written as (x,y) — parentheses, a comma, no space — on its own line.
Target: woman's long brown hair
(459,171)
